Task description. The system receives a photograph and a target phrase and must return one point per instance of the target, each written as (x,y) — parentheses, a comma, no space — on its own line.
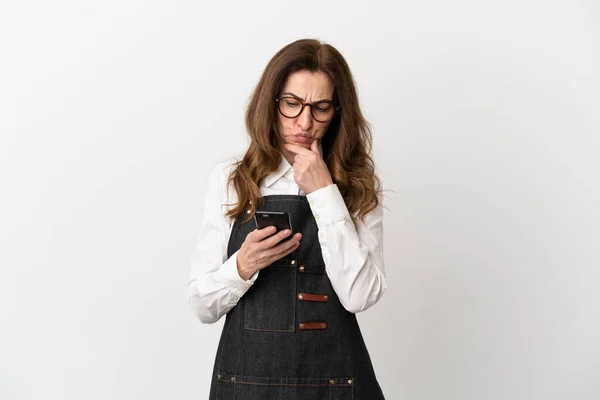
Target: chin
(296,143)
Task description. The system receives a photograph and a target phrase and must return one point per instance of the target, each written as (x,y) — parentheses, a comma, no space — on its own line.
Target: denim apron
(289,337)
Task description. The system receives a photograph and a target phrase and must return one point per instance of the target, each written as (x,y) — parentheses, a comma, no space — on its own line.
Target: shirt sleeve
(353,256)
(215,285)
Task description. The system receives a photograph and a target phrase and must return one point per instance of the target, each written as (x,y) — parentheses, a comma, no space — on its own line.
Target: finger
(291,249)
(273,240)
(258,235)
(303,159)
(297,149)
(288,244)
(298,166)
(306,158)
(284,248)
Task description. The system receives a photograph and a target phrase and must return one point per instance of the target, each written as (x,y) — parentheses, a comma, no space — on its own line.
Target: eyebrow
(299,98)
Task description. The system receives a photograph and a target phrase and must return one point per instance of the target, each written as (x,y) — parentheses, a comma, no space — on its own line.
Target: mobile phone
(279,219)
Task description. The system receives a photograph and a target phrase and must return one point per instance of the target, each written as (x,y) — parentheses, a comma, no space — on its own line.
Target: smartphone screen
(279,219)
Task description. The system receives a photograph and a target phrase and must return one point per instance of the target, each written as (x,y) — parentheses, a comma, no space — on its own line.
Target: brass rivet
(301,326)
(331,382)
(301,268)
(322,325)
(350,381)
(293,262)
(219,376)
(300,296)
(325,297)
(233,379)
(248,211)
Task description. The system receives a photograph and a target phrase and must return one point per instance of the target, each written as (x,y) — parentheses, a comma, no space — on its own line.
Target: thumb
(314,146)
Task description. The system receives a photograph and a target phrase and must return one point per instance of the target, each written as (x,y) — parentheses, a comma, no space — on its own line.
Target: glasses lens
(322,112)
(290,107)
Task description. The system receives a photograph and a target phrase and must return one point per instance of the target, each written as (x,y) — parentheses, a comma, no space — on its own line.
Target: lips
(303,138)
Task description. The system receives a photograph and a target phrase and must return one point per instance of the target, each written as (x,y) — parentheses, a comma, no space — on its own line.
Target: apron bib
(289,337)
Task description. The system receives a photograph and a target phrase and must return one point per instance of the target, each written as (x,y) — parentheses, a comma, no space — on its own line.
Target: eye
(291,103)
(323,107)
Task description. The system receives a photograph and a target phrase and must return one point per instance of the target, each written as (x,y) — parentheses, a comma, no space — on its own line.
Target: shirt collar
(284,166)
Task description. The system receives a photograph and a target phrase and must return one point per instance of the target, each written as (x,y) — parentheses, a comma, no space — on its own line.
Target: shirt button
(317,216)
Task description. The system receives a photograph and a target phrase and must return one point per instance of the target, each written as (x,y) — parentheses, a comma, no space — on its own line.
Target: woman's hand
(310,171)
(260,250)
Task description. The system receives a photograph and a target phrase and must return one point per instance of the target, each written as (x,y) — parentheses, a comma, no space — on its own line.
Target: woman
(291,330)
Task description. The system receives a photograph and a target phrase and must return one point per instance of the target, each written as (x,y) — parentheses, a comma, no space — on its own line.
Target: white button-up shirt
(353,257)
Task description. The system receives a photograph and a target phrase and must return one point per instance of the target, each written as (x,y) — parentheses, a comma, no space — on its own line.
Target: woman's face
(309,87)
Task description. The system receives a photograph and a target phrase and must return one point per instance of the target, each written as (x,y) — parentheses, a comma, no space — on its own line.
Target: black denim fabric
(263,354)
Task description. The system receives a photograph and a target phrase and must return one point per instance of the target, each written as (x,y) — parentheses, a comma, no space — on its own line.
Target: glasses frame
(336,109)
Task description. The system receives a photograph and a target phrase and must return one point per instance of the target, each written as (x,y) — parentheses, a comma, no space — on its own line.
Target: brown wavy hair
(346,145)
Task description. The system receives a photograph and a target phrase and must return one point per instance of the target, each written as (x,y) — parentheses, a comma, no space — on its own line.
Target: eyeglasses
(291,107)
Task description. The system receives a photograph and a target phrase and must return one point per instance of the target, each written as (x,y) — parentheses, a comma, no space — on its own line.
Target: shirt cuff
(230,277)
(327,205)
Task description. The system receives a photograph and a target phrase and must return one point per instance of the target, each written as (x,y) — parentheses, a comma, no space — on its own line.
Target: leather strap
(313,297)
(312,325)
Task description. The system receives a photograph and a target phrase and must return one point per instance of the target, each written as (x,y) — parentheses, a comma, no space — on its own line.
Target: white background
(486,132)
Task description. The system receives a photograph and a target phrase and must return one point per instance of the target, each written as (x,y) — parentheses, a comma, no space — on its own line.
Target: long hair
(346,145)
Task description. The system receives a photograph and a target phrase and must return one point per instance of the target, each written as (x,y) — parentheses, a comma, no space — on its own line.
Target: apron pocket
(238,387)
(270,304)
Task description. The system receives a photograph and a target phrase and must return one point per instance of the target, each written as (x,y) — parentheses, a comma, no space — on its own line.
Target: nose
(305,119)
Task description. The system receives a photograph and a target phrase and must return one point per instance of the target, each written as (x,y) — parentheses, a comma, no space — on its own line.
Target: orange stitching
(267,330)
(286,384)
(273,197)
(294,299)
(245,307)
